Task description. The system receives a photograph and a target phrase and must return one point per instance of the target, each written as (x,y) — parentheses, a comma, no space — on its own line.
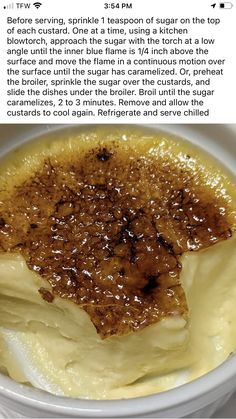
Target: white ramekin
(201,397)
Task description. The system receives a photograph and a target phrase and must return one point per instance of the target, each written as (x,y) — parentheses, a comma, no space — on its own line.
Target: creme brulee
(113,279)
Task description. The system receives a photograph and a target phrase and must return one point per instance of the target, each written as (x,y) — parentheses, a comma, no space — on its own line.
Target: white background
(223,102)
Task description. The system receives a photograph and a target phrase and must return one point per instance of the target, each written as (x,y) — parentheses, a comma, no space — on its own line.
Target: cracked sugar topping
(106,227)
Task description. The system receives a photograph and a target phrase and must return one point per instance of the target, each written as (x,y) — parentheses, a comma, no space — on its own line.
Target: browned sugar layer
(106,228)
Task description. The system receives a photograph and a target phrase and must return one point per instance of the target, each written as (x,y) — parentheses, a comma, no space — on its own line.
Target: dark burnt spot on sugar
(151,284)
(46,295)
(104,154)
(2,222)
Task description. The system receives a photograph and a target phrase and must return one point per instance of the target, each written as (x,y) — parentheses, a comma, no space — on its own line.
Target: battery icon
(226,5)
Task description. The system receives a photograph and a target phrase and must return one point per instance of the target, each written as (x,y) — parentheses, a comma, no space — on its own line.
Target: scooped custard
(96,227)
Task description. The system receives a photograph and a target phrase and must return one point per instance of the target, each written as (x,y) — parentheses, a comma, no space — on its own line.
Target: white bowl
(199,398)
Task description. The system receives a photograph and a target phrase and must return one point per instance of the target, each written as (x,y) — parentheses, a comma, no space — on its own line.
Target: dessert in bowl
(113,277)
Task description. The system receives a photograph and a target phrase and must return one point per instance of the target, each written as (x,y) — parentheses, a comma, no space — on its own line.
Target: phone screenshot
(117,209)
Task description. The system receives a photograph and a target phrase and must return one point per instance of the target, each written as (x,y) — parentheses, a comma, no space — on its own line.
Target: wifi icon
(37,4)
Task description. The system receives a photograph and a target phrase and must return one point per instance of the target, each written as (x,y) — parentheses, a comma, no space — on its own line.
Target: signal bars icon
(9,6)
(37,4)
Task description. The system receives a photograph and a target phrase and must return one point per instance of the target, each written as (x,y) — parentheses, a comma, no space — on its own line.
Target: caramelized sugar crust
(106,228)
